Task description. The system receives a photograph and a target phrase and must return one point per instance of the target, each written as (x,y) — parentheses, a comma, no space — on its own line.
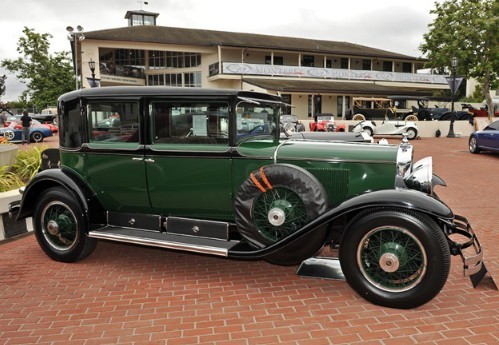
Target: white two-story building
(313,76)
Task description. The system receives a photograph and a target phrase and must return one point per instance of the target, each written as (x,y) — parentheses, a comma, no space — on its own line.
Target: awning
(333,87)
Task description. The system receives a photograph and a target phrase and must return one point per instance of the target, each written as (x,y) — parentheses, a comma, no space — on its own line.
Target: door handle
(137,159)
(149,160)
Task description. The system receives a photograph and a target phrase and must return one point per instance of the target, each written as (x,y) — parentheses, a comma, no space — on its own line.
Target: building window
(180,59)
(156,79)
(407,67)
(308,61)
(329,64)
(278,60)
(286,98)
(157,59)
(192,79)
(344,63)
(141,19)
(366,65)
(268,60)
(173,79)
(387,66)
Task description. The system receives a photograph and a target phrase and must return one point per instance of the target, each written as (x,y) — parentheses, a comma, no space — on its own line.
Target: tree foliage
(2,85)
(468,30)
(46,76)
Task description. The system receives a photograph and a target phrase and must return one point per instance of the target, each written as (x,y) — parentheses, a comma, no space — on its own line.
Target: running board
(164,240)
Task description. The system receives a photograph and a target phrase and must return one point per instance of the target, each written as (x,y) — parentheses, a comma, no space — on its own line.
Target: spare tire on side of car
(276,201)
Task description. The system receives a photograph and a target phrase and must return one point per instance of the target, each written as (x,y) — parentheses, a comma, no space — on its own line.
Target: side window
(112,122)
(190,123)
(70,125)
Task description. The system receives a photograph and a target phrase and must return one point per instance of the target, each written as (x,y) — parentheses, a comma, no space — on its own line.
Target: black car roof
(157,91)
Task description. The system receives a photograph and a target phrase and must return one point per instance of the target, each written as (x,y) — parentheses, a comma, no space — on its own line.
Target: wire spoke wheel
(278,213)
(59,226)
(392,259)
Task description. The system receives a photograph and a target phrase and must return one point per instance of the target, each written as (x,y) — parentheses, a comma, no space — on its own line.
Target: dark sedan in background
(486,139)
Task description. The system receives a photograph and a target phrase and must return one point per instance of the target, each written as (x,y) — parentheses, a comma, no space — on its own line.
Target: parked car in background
(291,123)
(34,123)
(14,134)
(206,171)
(325,122)
(425,113)
(388,128)
(486,139)
(370,108)
(481,111)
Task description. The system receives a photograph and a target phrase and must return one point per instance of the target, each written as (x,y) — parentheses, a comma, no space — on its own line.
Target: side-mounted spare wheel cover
(276,201)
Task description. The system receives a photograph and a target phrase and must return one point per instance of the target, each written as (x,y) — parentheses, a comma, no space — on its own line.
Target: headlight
(421,177)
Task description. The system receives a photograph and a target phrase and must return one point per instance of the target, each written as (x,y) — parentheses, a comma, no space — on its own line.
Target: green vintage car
(207,171)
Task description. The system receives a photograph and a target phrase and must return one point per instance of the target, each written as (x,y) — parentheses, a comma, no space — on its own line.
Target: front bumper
(463,242)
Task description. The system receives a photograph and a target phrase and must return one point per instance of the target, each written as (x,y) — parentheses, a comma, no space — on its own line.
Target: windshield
(256,118)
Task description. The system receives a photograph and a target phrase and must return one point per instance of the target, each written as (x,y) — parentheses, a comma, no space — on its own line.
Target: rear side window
(112,122)
(189,122)
(70,125)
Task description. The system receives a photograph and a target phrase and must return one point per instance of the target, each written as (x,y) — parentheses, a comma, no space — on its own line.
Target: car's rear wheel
(473,145)
(60,226)
(359,117)
(448,117)
(395,258)
(37,137)
(411,117)
(275,202)
(412,133)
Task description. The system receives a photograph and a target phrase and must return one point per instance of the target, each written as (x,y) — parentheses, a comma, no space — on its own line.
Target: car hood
(319,150)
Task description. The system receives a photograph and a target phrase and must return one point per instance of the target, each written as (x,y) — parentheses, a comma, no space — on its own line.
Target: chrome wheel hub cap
(276,216)
(389,262)
(53,228)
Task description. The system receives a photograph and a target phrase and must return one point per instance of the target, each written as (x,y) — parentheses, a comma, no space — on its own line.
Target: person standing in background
(26,122)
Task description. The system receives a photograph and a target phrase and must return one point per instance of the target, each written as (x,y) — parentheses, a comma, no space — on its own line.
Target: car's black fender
(56,177)
(394,198)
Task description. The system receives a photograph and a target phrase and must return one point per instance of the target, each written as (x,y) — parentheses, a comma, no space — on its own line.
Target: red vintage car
(326,123)
(482,112)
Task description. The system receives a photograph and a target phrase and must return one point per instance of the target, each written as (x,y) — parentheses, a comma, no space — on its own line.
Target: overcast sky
(393,25)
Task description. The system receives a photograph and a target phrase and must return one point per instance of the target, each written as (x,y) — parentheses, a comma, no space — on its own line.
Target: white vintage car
(388,128)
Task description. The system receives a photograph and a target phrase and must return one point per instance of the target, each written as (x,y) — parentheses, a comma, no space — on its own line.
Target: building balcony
(265,70)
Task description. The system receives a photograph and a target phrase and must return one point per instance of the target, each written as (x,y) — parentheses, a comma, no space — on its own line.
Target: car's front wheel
(37,137)
(60,226)
(473,145)
(395,258)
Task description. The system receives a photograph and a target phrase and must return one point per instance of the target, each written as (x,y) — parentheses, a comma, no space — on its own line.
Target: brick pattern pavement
(125,294)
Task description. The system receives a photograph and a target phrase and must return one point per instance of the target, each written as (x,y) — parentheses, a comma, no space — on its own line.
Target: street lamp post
(91,65)
(453,92)
(75,36)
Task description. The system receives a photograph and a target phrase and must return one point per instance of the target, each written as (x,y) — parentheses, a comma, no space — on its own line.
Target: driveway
(125,294)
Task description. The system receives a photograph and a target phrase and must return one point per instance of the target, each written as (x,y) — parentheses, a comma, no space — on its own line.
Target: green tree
(46,76)
(468,30)
(2,85)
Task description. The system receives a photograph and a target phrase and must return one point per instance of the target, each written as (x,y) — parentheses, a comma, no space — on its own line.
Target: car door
(188,163)
(114,161)
(490,135)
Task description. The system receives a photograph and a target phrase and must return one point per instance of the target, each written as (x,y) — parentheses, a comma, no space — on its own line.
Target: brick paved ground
(127,294)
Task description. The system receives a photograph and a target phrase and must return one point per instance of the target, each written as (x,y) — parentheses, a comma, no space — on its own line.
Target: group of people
(26,121)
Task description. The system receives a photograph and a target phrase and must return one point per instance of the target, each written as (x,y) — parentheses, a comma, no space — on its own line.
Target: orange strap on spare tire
(264,179)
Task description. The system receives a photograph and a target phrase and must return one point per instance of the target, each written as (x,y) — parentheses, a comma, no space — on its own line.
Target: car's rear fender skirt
(399,198)
(66,179)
